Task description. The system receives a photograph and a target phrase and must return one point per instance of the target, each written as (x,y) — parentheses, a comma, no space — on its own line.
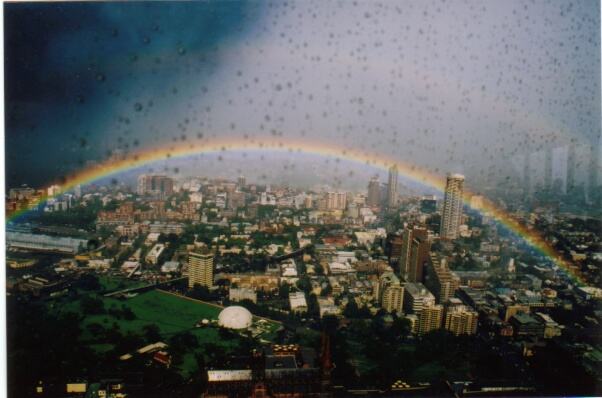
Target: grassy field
(172,314)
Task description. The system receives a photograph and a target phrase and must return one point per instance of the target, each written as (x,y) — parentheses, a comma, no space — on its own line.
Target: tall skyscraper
(392,187)
(414,254)
(200,269)
(374,192)
(452,206)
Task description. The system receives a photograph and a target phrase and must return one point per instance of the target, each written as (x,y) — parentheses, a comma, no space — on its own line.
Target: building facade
(392,187)
(414,254)
(373,192)
(200,269)
(452,207)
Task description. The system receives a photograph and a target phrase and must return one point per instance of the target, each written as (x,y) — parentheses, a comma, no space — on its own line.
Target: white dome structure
(235,317)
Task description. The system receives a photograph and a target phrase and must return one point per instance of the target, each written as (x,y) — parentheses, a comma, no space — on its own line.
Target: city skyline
(302,199)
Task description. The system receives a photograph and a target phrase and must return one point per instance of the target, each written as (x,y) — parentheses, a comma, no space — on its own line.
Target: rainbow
(209,146)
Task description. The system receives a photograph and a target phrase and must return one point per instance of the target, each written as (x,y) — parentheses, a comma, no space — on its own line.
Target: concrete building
(393,299)
(336,200)
(460,319)
(389,293)
(242,293)
(430,318)
(200,269)
(153,255)
(158,185)
(44,243)
(551,327)
(392,187)
(415,248)
(327,307)
(373,192)
(416,297)
(440,280)
(452,206)
(526,325)
(297,302)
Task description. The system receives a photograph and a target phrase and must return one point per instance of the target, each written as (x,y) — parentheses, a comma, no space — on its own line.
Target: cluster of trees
(377,351)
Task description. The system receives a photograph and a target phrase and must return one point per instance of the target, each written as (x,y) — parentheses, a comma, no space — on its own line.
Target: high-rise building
(392,187)
(393,247)
(460,319)
(440,280)
(390,293)
(430,318)
(415,248)
(200,269)
(452,206)
(416,297)
(158,185)
(336,200)
(374,192)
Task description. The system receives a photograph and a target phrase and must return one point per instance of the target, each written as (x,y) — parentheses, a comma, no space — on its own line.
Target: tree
(89,282)
(183,342)
(92,306)
(401,327)
(304,284)
(326,291)
(284,290)
(200,292)
(351,309)
(152,333)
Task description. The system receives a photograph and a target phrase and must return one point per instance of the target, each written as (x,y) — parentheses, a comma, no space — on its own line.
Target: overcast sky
(462,86)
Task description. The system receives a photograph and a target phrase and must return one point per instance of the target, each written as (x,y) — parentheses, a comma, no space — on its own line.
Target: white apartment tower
(452,206)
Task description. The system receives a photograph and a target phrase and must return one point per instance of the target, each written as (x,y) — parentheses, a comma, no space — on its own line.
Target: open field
(170,313)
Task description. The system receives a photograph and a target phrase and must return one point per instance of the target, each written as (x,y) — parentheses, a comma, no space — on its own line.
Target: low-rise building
(153,255)
(526,325)
(327,307)
(242,293)
(298,302)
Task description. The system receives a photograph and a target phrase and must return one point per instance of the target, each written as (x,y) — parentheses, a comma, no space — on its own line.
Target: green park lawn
(170,313)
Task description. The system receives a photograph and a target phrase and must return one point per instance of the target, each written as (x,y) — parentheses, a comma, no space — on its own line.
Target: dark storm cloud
(467,86)
(67,64)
